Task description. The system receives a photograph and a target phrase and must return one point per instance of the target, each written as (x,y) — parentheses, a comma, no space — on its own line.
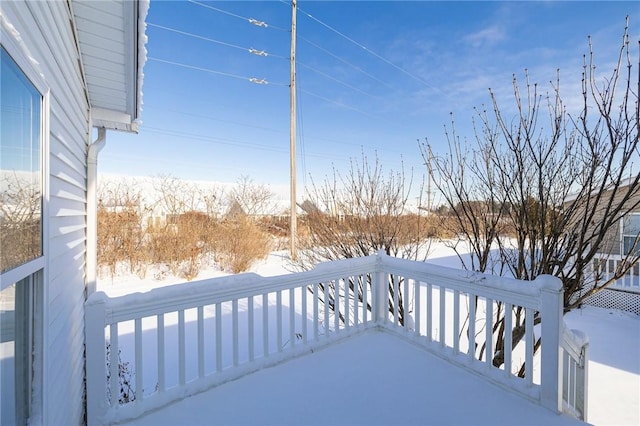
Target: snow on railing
(575,372)
(180,340)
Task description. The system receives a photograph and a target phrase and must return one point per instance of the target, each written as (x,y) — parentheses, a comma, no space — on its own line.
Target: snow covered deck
(437,325)
(373,378)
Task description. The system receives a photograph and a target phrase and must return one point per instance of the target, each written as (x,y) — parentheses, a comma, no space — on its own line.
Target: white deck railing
(179,340)
(607,264)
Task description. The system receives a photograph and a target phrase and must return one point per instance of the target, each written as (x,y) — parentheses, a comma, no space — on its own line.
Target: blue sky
(372,77)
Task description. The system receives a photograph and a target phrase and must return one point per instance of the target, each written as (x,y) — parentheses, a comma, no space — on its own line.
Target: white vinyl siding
(47,36)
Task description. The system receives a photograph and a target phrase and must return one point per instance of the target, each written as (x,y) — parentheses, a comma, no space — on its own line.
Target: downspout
(92,209)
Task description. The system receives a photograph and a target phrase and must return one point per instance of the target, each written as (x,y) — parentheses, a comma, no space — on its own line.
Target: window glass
(630,232)
(16,350)
(20,172)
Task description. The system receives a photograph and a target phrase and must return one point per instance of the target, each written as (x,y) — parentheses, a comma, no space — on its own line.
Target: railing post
(95,359)
(551,305)
(582,382)
(380,290)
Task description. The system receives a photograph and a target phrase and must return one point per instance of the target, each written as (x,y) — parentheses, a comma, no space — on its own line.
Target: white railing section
(575,356)
(607,264)
(180,340)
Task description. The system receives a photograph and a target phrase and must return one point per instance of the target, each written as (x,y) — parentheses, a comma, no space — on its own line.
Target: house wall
(612,244)
(44,31)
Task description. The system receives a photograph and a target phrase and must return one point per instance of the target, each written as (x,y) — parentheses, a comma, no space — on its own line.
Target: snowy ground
(373,378)
(614,367)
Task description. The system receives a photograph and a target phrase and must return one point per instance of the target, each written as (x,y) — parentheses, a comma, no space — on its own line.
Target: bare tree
(253,198)
(20,218)
(358,214)
(552,189)
(175,196)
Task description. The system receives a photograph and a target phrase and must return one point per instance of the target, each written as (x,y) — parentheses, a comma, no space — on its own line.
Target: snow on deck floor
(374,378)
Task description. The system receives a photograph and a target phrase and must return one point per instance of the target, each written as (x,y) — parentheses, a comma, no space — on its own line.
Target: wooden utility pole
(292,133)
(429,175)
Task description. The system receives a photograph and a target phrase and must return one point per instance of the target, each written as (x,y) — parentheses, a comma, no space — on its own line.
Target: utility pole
(429,173)
(292,133)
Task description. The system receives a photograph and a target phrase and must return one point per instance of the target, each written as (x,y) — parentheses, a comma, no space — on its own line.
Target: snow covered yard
(614,376)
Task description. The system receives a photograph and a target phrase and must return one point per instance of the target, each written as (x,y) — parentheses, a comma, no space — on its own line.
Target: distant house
(68,67)
(622,244)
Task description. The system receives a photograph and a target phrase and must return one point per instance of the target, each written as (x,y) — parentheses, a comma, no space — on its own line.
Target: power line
(209,117)
(226,74)
(330,77)
(227,141)
(315,95)
(250,50)
(344,61)
(253,21)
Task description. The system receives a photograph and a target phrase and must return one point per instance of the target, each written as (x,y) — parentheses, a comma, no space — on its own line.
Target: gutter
(92,210)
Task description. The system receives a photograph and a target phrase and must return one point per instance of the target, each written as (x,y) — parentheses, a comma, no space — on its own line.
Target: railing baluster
(365,299)
(316,313)
(347,294)
(429,313)
(250,328)
(114,364)
(336,305)
(218,336)
(356,300)
(573,383)
(181,348)
(279,320)
(417,306)
(139,358)
(265,325)
(456,321)
(235,329)
(472,326)
(508,342)
(161,353)
(326,309)
(530,341)
(292,317)
(396,297)
(443,311)
(305,320)
(200,341)
(405,300)
(488,339)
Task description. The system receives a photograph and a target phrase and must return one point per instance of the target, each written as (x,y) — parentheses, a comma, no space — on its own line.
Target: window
(17,304)
(20,170)
(630,232)
(21,237)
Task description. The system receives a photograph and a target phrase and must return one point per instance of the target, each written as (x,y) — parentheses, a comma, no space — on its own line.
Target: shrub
(239,242)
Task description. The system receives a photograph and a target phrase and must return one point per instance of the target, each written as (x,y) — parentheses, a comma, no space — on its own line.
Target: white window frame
(622,234)
(38,268)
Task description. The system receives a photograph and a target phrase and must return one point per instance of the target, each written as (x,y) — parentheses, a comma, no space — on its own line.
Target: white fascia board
(113,120)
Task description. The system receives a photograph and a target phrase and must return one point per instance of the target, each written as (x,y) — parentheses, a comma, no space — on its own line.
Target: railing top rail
(221,289)
(573,341)
(518,292)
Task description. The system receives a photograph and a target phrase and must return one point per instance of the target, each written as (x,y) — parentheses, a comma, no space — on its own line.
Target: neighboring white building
(68,67)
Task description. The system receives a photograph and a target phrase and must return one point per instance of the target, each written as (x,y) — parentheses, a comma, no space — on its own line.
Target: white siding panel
(94,45)
(45,29)
(67,174)
(99,16)
(94,52)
